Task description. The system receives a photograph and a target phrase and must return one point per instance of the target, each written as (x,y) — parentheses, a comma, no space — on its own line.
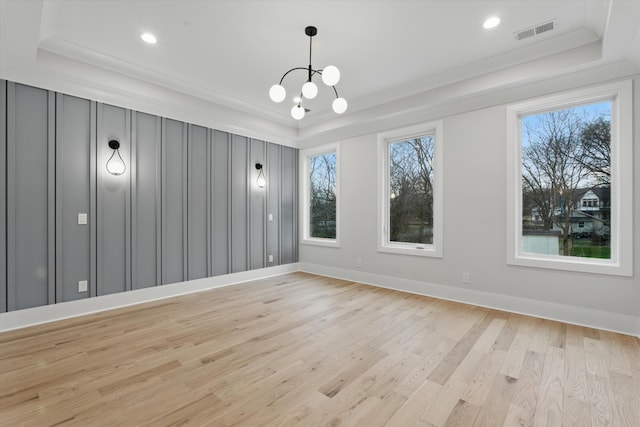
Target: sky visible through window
(588,112)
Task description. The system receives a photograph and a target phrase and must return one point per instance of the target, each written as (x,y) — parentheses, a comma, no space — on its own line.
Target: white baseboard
(64,310)
(614,322)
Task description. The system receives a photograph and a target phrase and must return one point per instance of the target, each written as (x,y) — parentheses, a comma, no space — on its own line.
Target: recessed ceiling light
(491,22)
(149,38)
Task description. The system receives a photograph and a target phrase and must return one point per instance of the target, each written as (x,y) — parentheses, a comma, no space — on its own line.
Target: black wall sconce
(115,164)
(261,181)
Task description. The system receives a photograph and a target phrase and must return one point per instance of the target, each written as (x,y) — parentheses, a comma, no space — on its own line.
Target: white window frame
(305,205)
(621,262)
(434,249)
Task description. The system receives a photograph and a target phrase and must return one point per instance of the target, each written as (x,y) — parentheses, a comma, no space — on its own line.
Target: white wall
(474,229)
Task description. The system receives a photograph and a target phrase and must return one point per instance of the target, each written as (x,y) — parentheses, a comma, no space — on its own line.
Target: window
(410,196)
(569,181)
(320,201)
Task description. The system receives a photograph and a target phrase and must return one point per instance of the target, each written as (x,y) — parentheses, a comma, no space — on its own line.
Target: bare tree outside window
(596,146)
(411,173)
(566,178)
(322,189)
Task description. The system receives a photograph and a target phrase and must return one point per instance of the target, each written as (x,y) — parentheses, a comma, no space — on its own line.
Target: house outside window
(320,202)
(410,190)
(569,183)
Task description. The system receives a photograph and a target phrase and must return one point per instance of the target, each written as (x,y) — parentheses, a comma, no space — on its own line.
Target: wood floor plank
(508,332)
(558,335)
(576,390)
(602,408)
(383,409)
(526,393)
(463,415)
(484,377)
(440,409)
(419,374)
(488,338)
(627,400)
(596,357)
(517,416)
(295,413)
(549,405)
(575,336)
(411,412)
(516,353)
(618,361)
(494,411)
(457,354)
(307,350)
(540,336)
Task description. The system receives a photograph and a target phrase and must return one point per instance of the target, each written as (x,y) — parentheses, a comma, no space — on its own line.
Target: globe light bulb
(339,105)
(277,93)
(297,112)
(330,75)
(309,90)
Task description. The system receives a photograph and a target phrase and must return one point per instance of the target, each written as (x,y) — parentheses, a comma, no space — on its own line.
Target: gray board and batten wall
(187,207)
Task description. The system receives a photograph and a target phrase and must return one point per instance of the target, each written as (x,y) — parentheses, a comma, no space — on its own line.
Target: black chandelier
(330,76)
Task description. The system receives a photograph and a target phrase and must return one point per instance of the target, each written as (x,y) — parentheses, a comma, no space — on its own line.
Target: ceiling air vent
(535,30)
(525,34)
(543,28)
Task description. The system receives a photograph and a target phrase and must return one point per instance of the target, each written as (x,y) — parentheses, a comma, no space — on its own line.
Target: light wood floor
(311,351)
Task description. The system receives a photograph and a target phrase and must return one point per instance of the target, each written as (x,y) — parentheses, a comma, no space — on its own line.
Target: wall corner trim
(64,310)
(614,322)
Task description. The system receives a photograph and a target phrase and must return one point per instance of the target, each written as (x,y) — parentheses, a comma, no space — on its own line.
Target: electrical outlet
(270,216)
(466,278)
(82,286)
(270,258)
(358,262)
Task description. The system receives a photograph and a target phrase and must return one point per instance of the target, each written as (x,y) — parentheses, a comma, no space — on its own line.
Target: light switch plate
(270,217)
(82,218)
(82,286)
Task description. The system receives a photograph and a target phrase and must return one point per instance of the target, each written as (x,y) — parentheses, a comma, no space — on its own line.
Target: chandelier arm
(293,69)
(335,91)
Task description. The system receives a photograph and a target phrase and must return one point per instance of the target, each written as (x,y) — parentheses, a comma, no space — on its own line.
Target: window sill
(412,250)
(329,243)
(576,264)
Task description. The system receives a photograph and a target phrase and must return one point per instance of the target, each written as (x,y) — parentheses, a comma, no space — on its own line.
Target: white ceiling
(231,52)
